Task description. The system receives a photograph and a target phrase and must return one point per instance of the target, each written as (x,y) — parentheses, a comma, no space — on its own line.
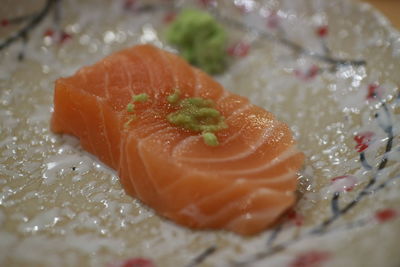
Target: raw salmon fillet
(243,185)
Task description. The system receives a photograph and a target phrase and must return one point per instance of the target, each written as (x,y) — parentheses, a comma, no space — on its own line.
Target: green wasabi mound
(200,39)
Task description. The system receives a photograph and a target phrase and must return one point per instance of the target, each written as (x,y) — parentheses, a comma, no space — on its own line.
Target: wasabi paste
(197,114)
(200,39)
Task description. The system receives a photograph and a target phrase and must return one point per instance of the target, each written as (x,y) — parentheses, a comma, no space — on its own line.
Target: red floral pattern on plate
(273,20)
(322,31)
(60,37)
(374,91)
(363,140)
(169,17)
(309,74)
(296,218)
(240,49)
(385,215)
(135,262)
(344,183)
(4,22)
(310,259)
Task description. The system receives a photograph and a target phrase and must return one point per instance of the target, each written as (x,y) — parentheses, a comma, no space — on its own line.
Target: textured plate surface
(327,68)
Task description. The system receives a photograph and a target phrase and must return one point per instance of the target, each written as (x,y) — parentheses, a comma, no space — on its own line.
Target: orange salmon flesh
(242,185)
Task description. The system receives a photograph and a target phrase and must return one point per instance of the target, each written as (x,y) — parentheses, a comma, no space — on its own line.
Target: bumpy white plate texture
(330,69)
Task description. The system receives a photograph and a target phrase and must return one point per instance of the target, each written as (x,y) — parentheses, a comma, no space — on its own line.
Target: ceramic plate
(327,68)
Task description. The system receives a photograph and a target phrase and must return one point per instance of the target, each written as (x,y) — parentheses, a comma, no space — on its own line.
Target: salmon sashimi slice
(243,184)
